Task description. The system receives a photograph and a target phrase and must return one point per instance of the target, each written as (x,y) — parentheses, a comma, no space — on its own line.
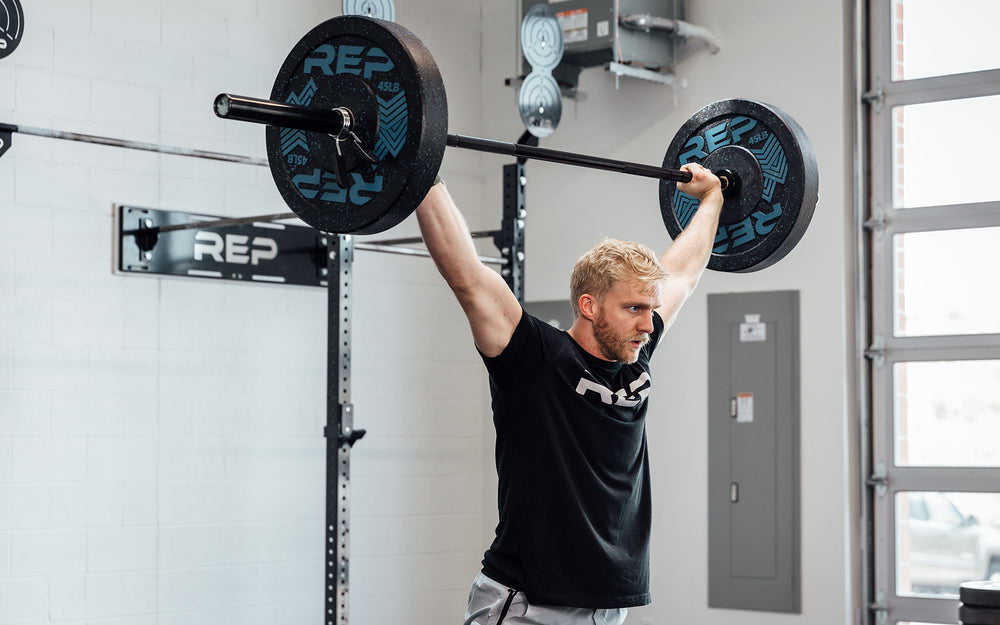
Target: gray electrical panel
(592,35)
(754,546)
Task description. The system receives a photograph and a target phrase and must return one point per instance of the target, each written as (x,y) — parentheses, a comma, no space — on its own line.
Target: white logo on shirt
(637,393)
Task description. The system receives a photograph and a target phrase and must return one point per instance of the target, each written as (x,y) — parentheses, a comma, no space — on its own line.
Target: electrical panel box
(593,37)
(753,451)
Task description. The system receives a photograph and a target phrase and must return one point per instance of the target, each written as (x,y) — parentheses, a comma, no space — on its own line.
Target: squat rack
(340,411)
(338,250)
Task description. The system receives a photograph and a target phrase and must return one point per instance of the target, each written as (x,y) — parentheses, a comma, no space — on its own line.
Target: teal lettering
(349,60)
(382,63)
(695,148)
(716,137)
(742,232)
(324,63)
(333,191)
(362,186)
(740,125)
(766,221)
(721,241)
(308,184)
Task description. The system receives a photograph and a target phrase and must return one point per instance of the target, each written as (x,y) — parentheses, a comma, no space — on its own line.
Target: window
(932,232)
(934,38)
(944,539)
(947,413)
(944,151)
(947,282)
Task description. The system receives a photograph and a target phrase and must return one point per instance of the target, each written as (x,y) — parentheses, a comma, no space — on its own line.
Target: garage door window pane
(947,413)
(946,282)
(934,38)
(944,539)
(944,152)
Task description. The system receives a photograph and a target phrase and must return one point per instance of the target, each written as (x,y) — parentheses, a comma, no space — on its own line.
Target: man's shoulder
(544,329)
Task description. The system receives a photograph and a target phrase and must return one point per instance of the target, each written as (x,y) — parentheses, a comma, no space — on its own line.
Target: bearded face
(619,341)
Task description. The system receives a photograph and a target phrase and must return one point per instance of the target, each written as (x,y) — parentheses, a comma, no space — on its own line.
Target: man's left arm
(686,258)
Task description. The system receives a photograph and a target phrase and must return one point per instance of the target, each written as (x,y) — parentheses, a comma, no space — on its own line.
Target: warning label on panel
(574,25)
(744,408)
(752,329)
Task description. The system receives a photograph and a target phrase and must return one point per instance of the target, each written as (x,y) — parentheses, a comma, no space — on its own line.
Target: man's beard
(616,346)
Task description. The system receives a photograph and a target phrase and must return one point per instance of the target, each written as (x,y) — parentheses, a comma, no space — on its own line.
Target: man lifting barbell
(357,127)
(572,544)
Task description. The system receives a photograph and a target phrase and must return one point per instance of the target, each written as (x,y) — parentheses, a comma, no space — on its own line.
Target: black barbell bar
(331,121)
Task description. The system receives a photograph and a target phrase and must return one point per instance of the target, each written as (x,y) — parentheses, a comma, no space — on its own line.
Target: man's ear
(588,306)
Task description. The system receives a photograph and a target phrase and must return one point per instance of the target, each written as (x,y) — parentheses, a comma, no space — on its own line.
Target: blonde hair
(608,263)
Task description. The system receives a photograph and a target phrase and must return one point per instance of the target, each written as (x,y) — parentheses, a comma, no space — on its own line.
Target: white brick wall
(162,458)
(24,507)
(48,552)
(24,600)
(5,555)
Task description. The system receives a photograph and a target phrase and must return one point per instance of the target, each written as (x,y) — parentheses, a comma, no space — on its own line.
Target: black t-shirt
(574,493)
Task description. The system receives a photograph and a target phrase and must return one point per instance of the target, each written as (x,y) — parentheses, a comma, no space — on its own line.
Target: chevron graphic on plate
(685,207)
(292,138)
(773,165)
(392,118)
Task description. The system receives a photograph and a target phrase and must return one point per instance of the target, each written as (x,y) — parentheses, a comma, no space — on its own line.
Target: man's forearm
(690,252)
(447,237)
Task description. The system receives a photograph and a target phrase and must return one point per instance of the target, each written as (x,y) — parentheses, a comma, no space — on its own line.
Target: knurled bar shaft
(566,158)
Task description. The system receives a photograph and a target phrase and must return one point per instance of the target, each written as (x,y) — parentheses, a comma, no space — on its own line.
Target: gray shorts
(492,603)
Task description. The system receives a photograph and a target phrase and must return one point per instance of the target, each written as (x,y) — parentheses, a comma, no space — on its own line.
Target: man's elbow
(685,281)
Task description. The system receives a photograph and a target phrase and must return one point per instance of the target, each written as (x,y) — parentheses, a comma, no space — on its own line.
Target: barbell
(357,127)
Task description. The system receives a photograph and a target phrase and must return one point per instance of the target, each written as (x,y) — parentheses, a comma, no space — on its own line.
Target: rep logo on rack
(233,248)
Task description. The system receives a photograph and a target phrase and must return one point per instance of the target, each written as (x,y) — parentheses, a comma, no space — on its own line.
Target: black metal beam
(510,239)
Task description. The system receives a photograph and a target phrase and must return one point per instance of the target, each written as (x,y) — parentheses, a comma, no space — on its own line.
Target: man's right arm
(490,306)
(688,255)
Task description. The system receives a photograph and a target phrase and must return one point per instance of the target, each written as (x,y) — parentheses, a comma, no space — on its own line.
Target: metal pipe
(235,221)
(133,145)
(680,28)
(211,223)
(646,22)
(391,246)
(411,251)
(413,240)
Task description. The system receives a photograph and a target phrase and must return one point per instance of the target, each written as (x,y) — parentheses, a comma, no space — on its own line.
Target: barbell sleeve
(246,109)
